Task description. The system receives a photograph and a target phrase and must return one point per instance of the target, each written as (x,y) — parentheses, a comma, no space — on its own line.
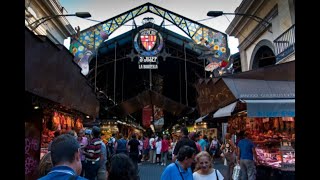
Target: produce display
(107,130)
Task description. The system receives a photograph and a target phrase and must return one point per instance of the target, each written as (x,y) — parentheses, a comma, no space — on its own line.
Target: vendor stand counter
(276,160)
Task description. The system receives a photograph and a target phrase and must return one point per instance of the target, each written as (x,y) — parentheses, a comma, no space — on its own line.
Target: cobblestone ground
(149,171)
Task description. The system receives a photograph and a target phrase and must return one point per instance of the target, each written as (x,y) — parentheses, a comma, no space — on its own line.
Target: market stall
(203,128)
(274,138)
(117,126)
(57,121)
(107,129)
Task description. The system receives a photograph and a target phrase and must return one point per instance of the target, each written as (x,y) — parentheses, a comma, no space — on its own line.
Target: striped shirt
(94,147)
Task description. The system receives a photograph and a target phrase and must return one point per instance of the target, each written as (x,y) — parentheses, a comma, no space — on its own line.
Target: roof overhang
(51,73)
(219,92)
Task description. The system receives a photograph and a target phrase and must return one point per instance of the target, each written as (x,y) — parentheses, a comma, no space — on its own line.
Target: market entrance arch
(118,81)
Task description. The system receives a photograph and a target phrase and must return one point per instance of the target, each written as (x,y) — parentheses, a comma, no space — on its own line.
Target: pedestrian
(140,147)
(195,137)
(173,145)
(158,150)
(73,133)
(146,148)
(93,154)
(247,157)
(121,145)
(164,150)
(214,147)
(122,168)
(133,146)
(181,168)
(152,152)
(88,133)
(111,143)
(203,143)
(204,169)
(65,158)
(184,141)
(103,169)
(228,150)
(83,142)
(45,165)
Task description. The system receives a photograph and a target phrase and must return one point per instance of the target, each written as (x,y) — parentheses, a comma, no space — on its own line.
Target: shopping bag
(236,172)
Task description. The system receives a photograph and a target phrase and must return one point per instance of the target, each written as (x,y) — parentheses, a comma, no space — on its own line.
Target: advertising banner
(146,116)
(158,118)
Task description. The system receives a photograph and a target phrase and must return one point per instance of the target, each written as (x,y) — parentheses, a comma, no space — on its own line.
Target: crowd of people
(84,155)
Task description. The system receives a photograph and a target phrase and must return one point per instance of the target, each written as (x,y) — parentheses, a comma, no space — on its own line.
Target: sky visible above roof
(102,10)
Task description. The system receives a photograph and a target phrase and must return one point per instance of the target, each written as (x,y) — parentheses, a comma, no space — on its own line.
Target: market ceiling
(169,82)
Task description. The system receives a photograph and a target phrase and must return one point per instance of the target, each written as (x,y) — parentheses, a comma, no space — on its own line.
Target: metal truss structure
(90,39)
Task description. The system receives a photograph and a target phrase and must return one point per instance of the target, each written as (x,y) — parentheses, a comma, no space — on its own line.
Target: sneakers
(162,164)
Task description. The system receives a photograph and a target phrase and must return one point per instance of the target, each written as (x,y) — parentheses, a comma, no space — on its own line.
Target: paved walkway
(149,171)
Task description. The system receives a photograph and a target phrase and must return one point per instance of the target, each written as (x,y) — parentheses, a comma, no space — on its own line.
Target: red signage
(146,116)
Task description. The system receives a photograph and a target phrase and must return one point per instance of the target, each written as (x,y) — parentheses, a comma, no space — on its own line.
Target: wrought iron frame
(87,41)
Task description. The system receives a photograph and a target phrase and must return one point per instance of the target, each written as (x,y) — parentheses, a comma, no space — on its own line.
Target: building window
(263,57)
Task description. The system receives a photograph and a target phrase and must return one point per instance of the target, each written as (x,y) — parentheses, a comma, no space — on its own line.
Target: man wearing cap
(93,155)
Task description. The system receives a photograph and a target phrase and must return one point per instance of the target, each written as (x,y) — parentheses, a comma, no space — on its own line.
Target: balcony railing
(285,43)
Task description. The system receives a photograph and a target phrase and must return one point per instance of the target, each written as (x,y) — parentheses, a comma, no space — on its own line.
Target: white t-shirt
(158,147)
(214,143)
(212,176)
(151,141)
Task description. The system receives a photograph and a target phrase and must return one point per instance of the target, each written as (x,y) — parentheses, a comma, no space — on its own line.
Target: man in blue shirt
(103,163)
(247,157)
(65,157)
(181,168)
(203,143)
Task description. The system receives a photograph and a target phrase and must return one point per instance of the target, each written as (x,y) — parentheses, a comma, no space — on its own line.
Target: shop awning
(225,111)
(226,90)
(270,108)
(201,118)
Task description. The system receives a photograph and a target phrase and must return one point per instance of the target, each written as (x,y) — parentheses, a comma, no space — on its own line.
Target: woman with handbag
(204,169)
(228,149)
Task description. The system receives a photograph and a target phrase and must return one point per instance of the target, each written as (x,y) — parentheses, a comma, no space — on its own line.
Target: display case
(277,154)
(269,156)
(287,156)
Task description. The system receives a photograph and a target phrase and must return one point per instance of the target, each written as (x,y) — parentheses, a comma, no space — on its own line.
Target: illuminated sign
(148,43)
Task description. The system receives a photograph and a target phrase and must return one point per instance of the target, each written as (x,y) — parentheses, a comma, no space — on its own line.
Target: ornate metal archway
(84,43)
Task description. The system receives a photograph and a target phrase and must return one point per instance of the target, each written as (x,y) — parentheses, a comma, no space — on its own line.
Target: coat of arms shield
(148,41)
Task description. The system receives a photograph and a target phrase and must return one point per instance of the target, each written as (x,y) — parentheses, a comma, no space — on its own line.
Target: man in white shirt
(152,152)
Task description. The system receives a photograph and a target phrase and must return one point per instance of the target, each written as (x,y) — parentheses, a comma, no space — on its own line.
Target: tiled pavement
(149,171)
